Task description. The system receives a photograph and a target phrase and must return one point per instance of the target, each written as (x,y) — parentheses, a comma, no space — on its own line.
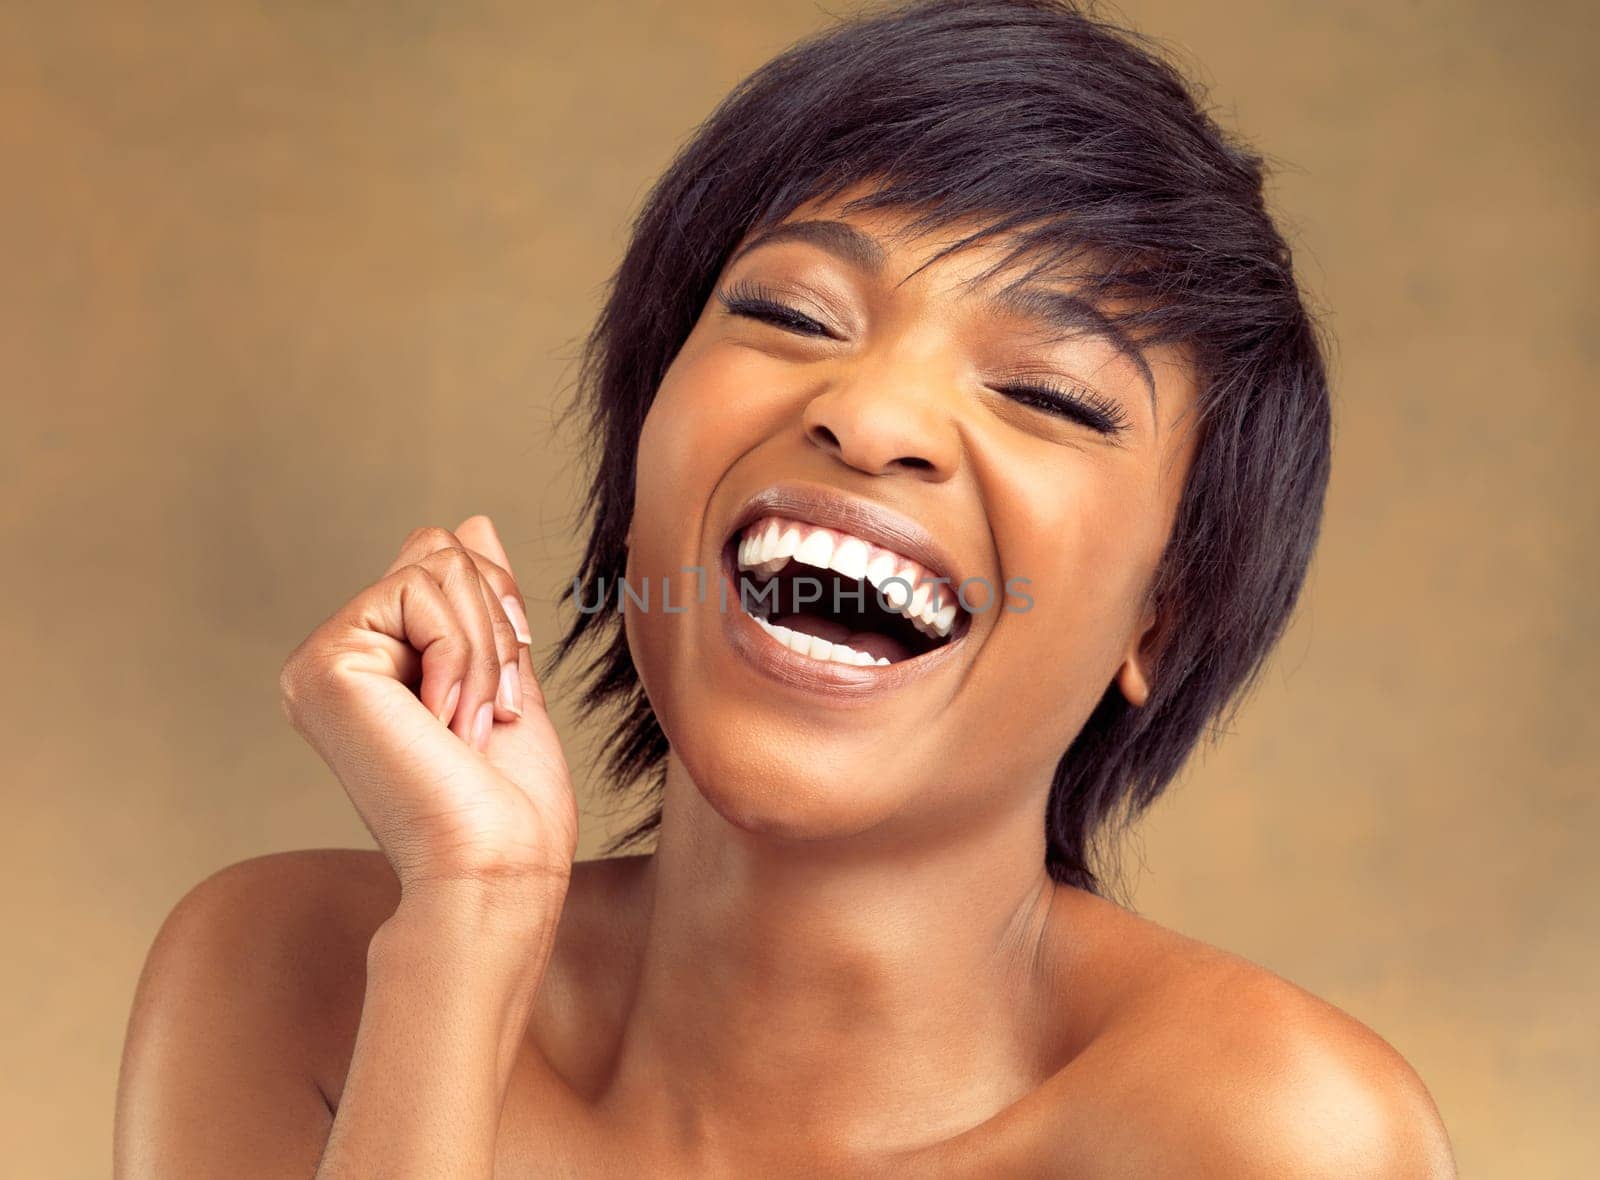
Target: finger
(507,597)
(508,687)
(502,602)
(457,573)
(410,606)
(506,619)
(478,533)
(419,543)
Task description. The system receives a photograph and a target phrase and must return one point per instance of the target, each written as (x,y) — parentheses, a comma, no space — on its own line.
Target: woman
(961,443)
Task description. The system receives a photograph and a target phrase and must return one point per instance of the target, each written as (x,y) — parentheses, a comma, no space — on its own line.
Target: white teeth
(939,604)
(850,557)
(765,551)
(816,647)
(768,561)
(919,602)
(769,544)
(881,568)
(816,550)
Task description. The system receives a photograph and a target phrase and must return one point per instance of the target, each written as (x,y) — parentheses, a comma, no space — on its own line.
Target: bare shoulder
(244,1020)
(244,1009)
(277,940)
(282,940)
(1217,1066)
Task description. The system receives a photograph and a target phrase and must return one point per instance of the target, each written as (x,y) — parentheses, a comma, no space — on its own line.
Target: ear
(1134,677)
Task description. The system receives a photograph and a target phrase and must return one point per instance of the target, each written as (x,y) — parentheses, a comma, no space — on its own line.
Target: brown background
(280,282)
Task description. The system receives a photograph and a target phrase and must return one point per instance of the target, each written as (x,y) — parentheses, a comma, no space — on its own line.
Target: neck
(850,985)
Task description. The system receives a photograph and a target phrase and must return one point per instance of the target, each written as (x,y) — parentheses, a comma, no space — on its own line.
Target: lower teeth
(816,647)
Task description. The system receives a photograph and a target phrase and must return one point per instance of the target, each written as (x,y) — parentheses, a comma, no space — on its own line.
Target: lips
(899,577)
(877,525)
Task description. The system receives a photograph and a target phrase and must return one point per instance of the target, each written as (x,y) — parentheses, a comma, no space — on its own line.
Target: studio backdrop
(282,282)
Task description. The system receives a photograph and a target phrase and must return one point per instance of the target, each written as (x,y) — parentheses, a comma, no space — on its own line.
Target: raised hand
(420,694)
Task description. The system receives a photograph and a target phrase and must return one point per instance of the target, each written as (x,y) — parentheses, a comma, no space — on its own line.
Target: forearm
(451,981)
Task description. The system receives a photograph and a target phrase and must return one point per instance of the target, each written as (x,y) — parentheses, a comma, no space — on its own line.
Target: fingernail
(481,724)
(450,699)
(519,620)
(510,696)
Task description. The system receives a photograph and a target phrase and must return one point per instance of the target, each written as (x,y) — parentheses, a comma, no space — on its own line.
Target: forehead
(879,241)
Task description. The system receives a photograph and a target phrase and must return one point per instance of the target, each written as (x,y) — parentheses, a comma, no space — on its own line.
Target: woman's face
(891,408)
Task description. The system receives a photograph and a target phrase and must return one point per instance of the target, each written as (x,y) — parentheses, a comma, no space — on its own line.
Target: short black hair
(1077,141)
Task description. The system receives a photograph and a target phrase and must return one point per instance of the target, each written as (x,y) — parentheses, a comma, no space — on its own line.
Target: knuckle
(429,537)
(454,652)
(505,636)
(414,573)
(438,535)
(297,678)
(457,562)
(288,691)
(489,567)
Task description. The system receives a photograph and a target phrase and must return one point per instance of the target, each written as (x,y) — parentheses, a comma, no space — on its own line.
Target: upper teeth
(903,585)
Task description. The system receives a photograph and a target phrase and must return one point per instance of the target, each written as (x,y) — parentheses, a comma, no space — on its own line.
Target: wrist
(469,953)
(504,924)
(504,900)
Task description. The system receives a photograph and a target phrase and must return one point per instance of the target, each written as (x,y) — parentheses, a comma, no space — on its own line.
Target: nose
(879,425)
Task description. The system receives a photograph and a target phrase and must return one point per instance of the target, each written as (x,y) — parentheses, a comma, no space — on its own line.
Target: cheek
(1081,529)
(706,414)
(1084,530)
(713,406)
(663,473)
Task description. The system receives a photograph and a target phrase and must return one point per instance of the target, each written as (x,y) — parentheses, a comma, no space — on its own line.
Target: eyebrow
(838,238)
(1061,311)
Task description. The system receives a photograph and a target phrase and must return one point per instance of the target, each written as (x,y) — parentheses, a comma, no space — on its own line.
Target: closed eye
(1076,403)
(759,303)
(1092,409)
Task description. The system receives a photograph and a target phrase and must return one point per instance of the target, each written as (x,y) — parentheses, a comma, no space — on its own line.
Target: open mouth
(832,596)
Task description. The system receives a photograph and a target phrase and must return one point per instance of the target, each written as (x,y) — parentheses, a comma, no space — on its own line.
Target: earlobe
(1133,678)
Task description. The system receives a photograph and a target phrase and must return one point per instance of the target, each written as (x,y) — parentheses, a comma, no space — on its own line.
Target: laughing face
(905,528)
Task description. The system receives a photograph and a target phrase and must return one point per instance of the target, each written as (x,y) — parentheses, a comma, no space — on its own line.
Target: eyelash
(1099,413)
(752,299)
(1092,409)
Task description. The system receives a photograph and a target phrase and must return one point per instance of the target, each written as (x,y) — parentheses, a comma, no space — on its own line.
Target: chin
(788,787)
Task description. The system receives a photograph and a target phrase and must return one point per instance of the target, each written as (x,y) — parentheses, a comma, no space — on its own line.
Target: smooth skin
(844,957)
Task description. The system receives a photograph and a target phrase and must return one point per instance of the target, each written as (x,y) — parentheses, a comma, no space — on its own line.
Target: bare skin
(1159,1057)
(845,957)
